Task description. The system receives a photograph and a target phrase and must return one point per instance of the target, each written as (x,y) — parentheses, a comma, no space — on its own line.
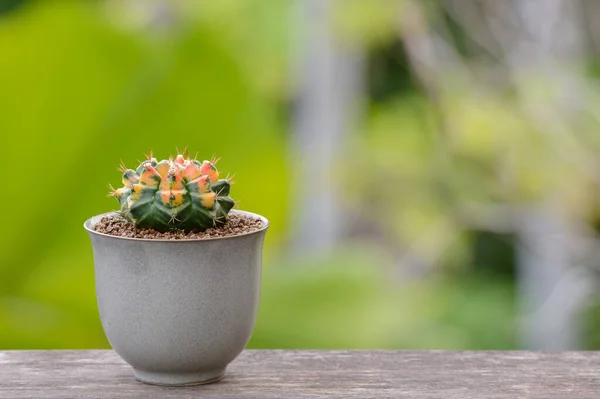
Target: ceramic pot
(178,311)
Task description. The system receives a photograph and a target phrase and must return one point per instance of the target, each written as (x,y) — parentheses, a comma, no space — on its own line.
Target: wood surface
(316,374)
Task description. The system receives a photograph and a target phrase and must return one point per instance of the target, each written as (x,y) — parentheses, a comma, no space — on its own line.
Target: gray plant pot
(178,311)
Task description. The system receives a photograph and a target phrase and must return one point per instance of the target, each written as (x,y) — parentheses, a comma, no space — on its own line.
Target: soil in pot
(237,224)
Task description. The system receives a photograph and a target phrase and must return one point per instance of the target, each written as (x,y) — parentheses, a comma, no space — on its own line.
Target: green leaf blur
(84,84)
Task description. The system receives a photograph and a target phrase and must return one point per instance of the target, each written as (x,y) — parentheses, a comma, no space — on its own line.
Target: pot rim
(89,223)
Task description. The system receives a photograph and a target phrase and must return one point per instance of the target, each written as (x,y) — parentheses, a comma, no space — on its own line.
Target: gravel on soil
(237,224)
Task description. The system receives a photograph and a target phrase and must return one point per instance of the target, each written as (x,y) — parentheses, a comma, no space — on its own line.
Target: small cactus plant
(174,194)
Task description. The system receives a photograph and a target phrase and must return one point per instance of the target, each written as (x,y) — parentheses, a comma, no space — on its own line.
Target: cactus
(174,194)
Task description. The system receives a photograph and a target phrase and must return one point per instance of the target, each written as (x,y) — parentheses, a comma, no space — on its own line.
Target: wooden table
(316,374)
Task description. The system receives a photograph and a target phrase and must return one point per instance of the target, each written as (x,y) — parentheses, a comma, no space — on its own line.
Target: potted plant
(177,271)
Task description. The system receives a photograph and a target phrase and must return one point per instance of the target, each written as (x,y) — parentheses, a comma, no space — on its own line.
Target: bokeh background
(431,169)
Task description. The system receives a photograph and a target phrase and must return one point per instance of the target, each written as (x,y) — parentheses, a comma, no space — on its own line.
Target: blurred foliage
(366,23)
(97,94)
(9,5)
(355,298)
(87,83)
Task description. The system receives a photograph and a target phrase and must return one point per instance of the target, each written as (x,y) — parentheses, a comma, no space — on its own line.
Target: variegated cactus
(180,193)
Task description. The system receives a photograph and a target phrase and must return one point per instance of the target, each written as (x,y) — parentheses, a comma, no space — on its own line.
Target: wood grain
(316,374)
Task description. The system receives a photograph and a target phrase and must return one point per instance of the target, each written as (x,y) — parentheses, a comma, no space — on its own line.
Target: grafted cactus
(180,193)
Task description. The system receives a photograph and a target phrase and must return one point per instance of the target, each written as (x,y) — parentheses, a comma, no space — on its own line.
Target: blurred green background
(428,165)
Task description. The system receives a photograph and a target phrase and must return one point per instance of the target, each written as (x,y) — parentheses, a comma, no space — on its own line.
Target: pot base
(178,379)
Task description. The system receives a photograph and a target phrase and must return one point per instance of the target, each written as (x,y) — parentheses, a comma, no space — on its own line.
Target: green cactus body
(171,194)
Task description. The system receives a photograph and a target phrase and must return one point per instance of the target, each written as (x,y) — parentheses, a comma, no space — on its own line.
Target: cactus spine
(180,193)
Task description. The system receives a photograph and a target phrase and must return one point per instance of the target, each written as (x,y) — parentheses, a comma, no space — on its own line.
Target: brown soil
(237,224)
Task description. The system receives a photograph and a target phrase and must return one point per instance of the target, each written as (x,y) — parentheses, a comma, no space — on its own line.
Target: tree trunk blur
(551,298)
(329,77)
